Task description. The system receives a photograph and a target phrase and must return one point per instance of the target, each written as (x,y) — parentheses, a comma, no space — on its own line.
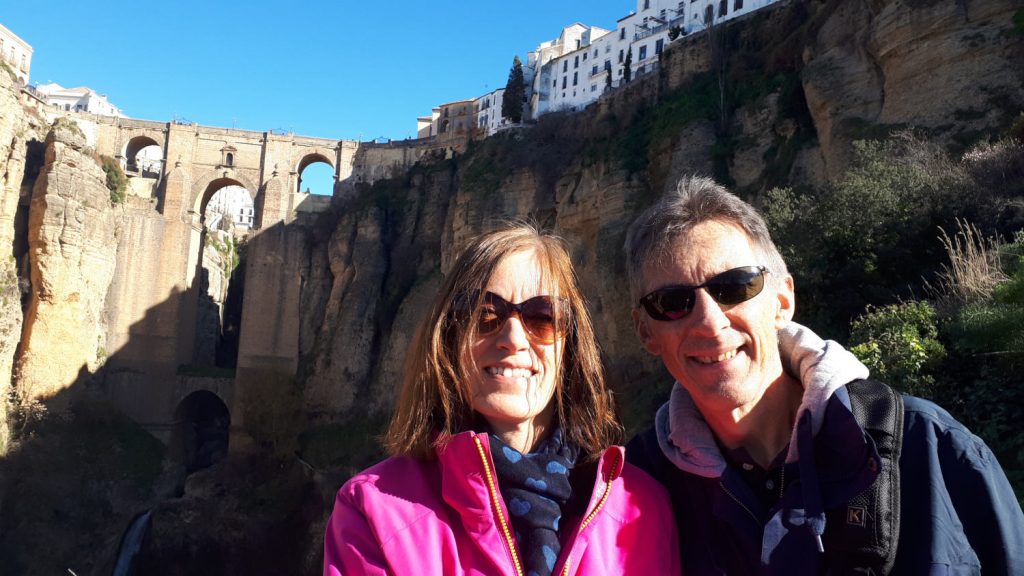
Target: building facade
(16,53)
(575,69)
(81,99)
(488,112)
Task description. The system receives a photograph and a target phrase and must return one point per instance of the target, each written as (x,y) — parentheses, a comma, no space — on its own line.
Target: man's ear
(786,301)
(643,332)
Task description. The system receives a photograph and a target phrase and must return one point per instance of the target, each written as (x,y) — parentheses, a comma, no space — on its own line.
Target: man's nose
(707,316)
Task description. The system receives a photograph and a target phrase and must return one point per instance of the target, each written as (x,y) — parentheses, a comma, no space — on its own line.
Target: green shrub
(995,326)
(899,344)
(117,181)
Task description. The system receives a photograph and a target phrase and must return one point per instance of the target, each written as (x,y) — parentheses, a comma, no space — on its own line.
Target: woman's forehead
(522,272)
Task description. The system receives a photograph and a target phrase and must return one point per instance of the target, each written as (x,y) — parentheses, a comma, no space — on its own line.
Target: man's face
(725,356)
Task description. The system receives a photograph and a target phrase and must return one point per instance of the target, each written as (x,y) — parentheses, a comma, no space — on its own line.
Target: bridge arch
(312,158)
(135,146)
(202,424)
(317,174)
(208,184)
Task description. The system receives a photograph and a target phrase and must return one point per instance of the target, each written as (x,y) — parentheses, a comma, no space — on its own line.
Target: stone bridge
(153,302)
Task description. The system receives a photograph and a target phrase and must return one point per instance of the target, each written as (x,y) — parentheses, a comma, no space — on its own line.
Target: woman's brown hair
(435,403)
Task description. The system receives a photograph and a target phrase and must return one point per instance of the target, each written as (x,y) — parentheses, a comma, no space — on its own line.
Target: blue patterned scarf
(536,488)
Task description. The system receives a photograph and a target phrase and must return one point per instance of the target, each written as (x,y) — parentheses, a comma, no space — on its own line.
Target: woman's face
(513,373)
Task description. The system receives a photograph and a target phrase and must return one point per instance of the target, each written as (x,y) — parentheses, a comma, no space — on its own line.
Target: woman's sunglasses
(729,288)
(545,318)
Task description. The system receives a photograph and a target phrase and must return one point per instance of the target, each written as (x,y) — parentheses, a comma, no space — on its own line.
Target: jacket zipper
(737,500)
(590,517)
(496,502)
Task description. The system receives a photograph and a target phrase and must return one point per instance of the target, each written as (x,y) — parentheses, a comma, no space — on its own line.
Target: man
(779,455)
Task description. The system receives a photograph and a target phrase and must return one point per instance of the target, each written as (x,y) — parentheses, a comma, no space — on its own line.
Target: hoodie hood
(821,366)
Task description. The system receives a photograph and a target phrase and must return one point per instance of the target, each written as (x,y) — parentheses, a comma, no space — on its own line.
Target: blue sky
(342,69)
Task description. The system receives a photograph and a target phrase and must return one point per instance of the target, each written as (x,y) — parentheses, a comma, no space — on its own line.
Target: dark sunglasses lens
(736,286)
(493,313)
(671,303)
(538,316)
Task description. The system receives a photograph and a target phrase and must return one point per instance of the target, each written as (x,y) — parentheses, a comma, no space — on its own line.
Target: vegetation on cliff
(935,315)
(117,180)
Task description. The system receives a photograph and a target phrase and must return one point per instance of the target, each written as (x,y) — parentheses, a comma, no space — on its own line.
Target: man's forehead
(707,248)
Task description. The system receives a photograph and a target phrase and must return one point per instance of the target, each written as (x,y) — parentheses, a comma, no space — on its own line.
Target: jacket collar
(465,461)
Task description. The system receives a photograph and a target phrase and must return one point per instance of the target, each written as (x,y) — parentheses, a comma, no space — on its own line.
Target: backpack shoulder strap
(865,533)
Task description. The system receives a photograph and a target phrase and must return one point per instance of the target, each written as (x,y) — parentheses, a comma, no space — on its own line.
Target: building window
(584,56)
(565,80)
(622,33)
(607,65)
(709,15)
(643,52)
(737,5)
(576,62)
(723,8)
(577,44)
(593,71)
(554,84)
(647,4)
(229,159)
(595,52)
(565,65)
(659,46)
(593,87)
(575,78)
(621,55)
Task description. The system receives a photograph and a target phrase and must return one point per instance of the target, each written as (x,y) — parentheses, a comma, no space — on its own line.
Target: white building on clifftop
(572,71)
(81,99)
(16,53)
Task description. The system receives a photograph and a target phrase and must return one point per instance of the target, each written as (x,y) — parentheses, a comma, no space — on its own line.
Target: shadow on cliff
(87,460)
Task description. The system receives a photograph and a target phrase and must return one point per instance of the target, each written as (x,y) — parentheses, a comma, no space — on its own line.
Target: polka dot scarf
(536,488)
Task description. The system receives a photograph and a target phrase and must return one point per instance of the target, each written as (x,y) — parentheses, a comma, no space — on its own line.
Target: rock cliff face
(807,78)
(72,237)
(950,67)
(18,126)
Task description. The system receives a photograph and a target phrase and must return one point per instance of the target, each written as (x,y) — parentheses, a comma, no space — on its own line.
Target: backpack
(862,537)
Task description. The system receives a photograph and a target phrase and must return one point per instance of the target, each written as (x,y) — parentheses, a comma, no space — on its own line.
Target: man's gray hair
(696,199)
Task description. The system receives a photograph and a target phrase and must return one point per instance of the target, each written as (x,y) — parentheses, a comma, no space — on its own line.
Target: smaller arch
(313,158)
(202,424)
(325,180)
(136,145)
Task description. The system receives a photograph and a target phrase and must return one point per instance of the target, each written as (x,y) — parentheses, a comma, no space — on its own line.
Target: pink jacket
(408,517)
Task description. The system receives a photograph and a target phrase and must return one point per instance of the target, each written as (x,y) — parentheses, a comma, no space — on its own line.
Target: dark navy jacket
(958,513)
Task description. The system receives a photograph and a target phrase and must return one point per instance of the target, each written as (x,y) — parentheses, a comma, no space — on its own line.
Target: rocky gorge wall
(805,79)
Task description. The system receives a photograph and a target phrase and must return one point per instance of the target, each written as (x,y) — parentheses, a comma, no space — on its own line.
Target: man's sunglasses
(729,288)
(545,318)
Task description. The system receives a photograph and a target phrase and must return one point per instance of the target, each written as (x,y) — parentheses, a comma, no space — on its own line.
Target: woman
(500,461)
